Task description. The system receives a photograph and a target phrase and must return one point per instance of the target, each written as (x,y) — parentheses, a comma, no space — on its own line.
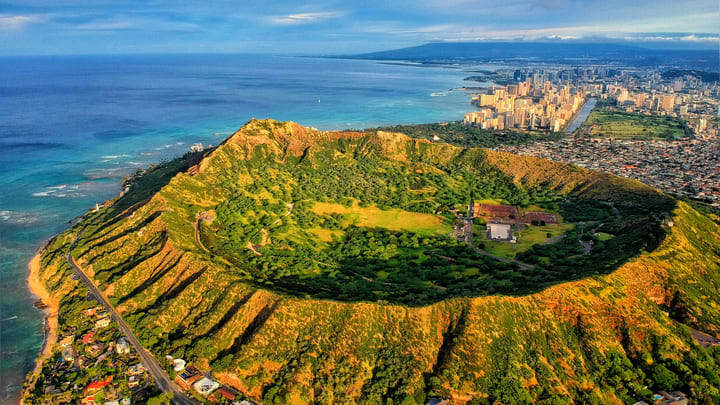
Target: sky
(329,27)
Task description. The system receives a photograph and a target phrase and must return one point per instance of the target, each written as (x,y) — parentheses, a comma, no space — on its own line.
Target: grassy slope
(556,343)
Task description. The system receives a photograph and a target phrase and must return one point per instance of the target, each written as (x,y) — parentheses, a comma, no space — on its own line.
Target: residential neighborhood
(685,167)
(93,364)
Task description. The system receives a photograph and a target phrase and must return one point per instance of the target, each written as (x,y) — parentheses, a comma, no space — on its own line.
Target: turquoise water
(71,127)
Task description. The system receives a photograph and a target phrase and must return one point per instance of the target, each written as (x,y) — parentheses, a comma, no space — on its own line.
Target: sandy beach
(37,287)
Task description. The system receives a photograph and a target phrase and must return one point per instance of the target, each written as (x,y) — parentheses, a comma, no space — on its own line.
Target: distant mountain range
(556,51)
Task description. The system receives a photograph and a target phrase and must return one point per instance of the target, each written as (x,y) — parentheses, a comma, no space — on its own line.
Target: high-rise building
(668,102)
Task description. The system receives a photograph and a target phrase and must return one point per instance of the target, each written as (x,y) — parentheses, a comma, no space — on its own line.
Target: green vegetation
(351,224)
(458,134)
(322,271)
(624,125)
(393,219)
(526,238)
(708,77)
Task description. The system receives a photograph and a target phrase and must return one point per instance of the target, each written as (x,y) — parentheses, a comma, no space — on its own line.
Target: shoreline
(50,307)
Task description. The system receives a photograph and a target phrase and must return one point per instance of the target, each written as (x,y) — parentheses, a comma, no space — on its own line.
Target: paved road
(162,380)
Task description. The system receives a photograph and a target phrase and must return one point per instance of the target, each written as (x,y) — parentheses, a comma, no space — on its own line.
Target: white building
(102,323)
(122,346)
(500,231)
(206,386)
(178,365)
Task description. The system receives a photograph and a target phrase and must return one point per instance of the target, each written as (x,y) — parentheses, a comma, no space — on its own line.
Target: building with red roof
(96,386)
(88,338)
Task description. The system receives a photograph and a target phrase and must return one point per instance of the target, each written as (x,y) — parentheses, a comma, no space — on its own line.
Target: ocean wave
(110,157)
(18,218)
(63,191)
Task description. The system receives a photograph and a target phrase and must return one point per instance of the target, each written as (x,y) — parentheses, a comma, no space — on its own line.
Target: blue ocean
(72,127)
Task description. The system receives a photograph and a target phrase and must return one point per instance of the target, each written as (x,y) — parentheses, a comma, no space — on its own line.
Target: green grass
(392,219)
(526,238)
(494,201)
(623,125)
(603,236)
(326,235)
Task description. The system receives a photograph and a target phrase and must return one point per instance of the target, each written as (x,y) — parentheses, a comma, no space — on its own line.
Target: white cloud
(673,37)
(12,22)
(305,18)
(146,24)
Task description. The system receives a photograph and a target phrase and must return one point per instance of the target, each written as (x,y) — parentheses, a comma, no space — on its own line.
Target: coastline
(50,309)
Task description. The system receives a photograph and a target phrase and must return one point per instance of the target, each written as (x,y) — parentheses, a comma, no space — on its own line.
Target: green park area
(607,123)
(526,238)
(391,219)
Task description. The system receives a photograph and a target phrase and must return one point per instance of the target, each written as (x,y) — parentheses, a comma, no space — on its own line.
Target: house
(539,218)
(88,337)
(499,231)
(672,398)
(102,323)
(205,386)
(95,349)
(67,354)
(224,392)
(97,386)
(101,358)
(122,346)
(137,369)
(113,402)
(188,377)
(92,311)
(501,211)
(133,381)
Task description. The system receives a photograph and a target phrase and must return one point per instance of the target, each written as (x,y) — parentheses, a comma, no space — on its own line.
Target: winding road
(162,380)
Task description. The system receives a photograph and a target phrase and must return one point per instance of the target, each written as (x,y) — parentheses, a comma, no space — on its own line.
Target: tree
(664,378)
(162,399)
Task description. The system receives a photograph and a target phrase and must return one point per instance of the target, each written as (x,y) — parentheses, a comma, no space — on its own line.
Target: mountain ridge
(559,51)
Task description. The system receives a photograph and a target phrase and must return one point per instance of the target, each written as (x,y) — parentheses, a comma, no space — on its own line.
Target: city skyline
(332,27)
